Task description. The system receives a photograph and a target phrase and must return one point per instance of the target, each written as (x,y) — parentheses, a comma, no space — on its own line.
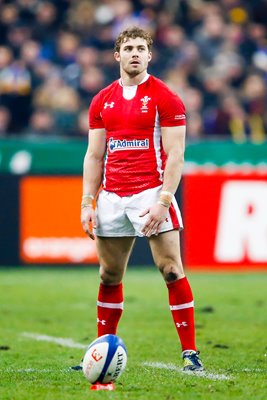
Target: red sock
(109,308)
(182,309)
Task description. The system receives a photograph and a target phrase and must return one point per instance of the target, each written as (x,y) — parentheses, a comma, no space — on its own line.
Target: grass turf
(231,317)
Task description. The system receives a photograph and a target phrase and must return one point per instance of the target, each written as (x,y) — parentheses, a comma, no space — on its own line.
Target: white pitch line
(58,340)
(200,374)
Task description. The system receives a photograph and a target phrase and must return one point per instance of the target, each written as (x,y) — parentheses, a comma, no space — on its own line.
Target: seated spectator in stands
(192,99)
(67,45)
(62,100)
(86,57)
(194,127)
(6,57)
(80,18)
(9,15)
(82,124)
(91,81)
(17,34)
(15,89)
(30,52)
(226,119)
(41,123)
(5,119)
(46,24)
(210,36)
(254,97)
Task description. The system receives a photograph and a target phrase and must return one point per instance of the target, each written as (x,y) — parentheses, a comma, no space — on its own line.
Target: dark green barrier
(223,152)
(59,156)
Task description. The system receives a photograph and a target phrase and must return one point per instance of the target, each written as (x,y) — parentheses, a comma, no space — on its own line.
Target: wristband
(164,192)
(87,200)
(165,198)
(88,196)
(86,206)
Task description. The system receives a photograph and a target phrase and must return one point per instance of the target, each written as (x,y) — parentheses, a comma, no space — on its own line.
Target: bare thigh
(113,253)
(166,253)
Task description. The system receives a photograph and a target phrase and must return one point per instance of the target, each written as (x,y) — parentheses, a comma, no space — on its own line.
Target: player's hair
(133,33)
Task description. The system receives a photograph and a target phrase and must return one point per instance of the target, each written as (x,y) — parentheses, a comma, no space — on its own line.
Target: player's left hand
(157,214)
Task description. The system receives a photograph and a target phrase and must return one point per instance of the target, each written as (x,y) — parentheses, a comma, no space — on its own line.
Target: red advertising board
(225,218)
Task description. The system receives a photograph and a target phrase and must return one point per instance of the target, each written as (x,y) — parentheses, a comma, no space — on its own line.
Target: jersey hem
(125,194)
(178,228)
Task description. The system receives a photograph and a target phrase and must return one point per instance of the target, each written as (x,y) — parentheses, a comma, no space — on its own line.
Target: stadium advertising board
(50,229)
(225,217)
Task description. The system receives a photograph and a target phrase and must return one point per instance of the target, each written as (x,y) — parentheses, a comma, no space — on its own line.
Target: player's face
(134,56)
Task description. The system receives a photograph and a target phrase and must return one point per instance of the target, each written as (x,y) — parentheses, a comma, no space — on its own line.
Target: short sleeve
(95,118)
(171,109)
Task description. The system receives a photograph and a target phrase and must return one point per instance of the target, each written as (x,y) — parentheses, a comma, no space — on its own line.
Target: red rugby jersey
(135,158)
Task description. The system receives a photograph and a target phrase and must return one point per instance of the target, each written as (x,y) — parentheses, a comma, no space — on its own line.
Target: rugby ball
(105,359)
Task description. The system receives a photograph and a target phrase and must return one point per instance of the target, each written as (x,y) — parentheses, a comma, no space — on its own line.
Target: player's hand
(88,220)
(157,214)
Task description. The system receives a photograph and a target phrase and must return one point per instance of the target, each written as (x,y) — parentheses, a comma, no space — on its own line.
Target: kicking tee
(132,117)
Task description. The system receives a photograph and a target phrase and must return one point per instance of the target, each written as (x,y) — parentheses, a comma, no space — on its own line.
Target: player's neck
(127,80)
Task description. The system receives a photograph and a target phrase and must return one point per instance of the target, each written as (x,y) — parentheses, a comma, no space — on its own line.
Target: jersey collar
(144,80)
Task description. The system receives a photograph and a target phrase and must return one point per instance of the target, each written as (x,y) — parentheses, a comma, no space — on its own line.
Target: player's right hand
(88,220)
(156,215)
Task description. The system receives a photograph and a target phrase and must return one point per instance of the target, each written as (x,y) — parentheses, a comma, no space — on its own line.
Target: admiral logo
(181,116)
(124,144)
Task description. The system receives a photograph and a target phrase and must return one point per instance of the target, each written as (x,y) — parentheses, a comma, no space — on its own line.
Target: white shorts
(119,216)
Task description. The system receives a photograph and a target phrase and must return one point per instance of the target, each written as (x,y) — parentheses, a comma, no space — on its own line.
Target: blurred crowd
(56,55)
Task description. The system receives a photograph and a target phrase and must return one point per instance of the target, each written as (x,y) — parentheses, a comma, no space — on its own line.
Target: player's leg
(113,256)
(166,254)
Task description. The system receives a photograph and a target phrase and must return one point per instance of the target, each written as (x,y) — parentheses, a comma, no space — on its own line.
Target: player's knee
(109,277)
(171,276)
(171,272)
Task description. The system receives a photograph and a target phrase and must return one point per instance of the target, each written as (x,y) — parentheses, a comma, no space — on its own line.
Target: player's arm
(173,141)
(94,161)
(92,177)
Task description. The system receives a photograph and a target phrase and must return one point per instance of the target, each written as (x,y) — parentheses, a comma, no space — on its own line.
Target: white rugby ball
(105,359)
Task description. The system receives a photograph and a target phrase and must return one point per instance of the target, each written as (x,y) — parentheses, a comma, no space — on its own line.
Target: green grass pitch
(231,321)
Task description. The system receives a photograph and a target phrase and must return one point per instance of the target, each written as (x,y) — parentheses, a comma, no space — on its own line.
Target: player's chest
(136,113)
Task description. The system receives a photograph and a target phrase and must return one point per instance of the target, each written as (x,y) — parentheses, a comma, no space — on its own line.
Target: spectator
(254,100)
(82,123)
(5,119)
(91,81)
(62,100)
(15,89)
(194,129)
(41,123)
(67,46)
(8,16)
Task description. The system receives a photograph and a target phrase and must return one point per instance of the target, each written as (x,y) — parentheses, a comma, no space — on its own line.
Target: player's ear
(117,56)
(149,56)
